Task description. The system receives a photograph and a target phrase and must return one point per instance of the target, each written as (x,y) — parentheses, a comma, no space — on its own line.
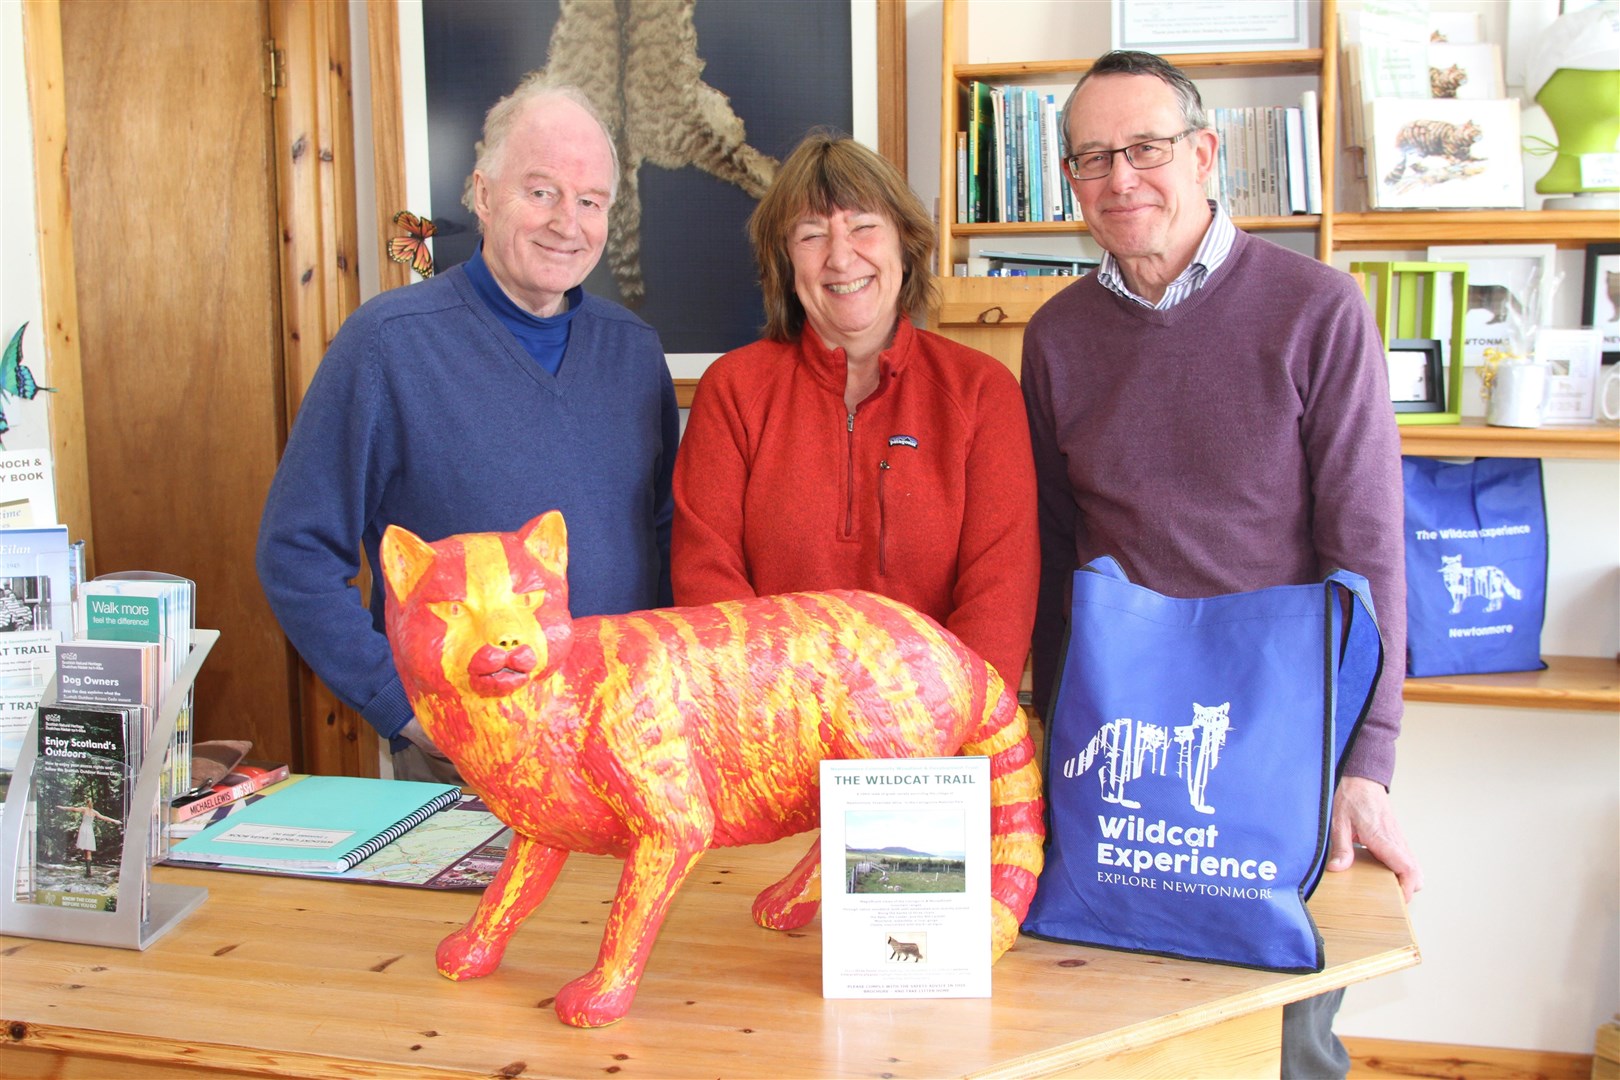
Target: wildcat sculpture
(656,735)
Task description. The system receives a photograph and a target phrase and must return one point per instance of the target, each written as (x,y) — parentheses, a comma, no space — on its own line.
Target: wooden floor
(1376,1059)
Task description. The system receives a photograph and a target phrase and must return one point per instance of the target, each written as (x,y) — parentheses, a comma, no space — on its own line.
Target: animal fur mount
(657,735)
(637,60)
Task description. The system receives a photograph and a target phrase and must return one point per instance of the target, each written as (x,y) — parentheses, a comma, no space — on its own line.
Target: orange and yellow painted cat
(657,735)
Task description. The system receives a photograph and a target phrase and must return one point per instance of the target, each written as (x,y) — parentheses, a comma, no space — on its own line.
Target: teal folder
(322,824)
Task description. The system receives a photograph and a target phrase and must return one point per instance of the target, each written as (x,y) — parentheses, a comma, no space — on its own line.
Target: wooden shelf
(1069,228)
(1407,229)
(1474,438)
(1279,62)
(1570,682)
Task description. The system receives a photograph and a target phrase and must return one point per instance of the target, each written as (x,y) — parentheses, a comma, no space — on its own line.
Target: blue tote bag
(1193,747)
(1476,565)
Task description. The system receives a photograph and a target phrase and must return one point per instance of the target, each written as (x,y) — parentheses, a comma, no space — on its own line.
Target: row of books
(1009,164)
(1269,159)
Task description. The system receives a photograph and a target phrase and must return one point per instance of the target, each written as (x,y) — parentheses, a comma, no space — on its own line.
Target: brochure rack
(165,905)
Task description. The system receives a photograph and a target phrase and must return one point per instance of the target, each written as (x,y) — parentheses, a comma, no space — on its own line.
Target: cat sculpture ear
(405,557)
(546,538)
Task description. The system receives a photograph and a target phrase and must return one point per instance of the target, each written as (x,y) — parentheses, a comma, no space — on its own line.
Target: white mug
(1607,392)
(1518,395)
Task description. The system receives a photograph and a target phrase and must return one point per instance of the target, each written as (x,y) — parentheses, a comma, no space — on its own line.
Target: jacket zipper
(849,486)
(883,522)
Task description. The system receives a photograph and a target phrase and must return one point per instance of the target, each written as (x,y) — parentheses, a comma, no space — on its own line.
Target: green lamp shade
(1584,107)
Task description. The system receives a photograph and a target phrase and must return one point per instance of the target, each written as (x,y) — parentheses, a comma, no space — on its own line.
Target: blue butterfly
(16,381)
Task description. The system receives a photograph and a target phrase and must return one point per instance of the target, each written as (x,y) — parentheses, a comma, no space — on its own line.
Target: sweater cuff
(389,711)
(1373,760)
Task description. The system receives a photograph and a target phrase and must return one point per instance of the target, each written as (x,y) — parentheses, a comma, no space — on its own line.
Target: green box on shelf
(1404,298)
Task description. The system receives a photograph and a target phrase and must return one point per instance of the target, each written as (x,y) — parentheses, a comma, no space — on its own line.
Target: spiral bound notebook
(324,824)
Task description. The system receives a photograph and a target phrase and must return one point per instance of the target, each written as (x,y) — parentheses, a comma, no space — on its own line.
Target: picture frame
(401,129)
(1600,298)
(1416,379)
(1573,361)
(1444,154)
(1168,27)
(1507,294)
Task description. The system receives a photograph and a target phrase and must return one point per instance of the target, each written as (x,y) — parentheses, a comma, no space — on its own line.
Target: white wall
(19,269)
(1512,811)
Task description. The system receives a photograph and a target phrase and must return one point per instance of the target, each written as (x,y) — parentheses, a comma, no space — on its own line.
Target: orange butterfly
(412,248)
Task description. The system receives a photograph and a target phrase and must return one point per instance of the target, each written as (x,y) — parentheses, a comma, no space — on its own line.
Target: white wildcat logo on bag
(1463,582)
(1130,749)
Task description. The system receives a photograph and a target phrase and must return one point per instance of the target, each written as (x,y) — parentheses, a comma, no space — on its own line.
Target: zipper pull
(849,423)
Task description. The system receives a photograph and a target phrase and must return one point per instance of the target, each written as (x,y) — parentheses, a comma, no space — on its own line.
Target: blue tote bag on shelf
(1476,565)
(1193,747)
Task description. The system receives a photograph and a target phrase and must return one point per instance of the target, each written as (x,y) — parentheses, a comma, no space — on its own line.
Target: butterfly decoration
(412,247)
(16,381)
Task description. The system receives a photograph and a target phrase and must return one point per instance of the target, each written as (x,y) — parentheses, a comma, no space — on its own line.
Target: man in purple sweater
(1213,410)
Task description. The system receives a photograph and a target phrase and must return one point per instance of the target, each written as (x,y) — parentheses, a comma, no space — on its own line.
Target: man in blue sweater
(472,402)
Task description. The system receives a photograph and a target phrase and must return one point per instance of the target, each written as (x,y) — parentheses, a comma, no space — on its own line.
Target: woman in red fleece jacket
(849,449)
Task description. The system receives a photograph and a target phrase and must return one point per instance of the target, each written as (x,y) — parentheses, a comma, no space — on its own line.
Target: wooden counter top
(289,977)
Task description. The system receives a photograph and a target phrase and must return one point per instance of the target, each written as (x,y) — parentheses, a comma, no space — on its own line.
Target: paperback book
(88,758)
(27,489)
(323,824)
(905,855)
(194,825)
(243,780)
(36,580)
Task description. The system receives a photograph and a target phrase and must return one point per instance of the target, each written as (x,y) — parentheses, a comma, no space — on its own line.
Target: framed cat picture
(1600,303)
(1508,293)
(1444,154)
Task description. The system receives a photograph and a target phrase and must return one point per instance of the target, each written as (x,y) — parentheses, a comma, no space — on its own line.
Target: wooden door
(175,241)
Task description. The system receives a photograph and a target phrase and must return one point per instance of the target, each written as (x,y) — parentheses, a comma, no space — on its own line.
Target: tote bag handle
(1357,650)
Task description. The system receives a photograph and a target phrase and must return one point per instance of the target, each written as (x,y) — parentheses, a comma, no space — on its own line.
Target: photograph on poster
(1572,359)
(706,100)
(921,851)
(1507,294)
(1600,301)
(1416,383)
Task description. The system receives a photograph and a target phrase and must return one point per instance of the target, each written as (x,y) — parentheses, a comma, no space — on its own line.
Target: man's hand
(418,737)
(1362,814)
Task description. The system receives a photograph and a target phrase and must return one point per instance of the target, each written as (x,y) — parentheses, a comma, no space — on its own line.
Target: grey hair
(1128,62)
(535,86)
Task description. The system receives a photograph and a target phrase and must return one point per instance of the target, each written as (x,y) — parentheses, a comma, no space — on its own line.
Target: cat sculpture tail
(1017,827)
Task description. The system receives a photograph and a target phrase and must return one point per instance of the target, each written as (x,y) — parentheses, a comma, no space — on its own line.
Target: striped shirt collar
(1212,252)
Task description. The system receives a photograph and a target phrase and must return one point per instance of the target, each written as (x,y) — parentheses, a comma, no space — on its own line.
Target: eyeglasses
(1096,164)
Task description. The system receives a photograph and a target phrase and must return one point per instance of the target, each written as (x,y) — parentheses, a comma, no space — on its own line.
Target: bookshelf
(958,73)
(990,313)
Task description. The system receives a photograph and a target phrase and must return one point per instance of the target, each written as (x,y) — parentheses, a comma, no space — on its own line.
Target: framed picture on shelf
(1572,363)
(1444,154)
(1167,27)
(1600,302)
(1415,381)
(1507,294)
